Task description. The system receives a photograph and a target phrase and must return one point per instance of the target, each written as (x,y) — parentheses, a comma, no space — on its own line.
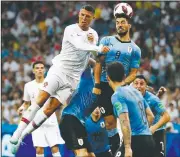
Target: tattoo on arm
(126,128)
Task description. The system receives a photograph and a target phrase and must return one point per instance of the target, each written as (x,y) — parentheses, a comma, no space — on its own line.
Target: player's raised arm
(78,42)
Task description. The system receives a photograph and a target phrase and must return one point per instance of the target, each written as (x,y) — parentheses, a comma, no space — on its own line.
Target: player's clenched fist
(105,49)
(96,91)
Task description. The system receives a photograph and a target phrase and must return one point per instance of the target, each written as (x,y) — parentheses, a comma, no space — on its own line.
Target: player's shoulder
(30,83)
(152,97)
(93,30)
(71,27)
(107,39)
(135,46)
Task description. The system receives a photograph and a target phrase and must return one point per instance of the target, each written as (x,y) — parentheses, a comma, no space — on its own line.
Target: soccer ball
(123,8)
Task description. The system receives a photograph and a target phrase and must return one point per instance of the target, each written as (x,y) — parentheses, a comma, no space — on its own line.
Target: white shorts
(46,136)
(58,84)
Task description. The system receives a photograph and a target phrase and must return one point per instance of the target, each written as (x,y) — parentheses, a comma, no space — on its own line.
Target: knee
(81,152)
(39,150)
(55,149)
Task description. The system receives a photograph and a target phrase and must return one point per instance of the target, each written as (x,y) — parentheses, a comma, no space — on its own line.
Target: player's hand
(21,110)
(152,129)
(105,49)
(161,91)
(90,37)
(96,91)
(128,152)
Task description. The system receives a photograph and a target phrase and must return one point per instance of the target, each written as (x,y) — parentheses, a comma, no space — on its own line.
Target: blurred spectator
(173,111)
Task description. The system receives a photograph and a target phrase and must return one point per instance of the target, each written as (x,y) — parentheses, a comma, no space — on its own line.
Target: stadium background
(33,31)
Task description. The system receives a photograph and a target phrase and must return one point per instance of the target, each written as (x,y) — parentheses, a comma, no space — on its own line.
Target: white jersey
(31,91)
(76,49)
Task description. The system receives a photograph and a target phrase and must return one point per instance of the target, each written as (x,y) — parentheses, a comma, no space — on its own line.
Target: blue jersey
(83,101)
(127,53)
(128,99)
(97,135)
(156,107)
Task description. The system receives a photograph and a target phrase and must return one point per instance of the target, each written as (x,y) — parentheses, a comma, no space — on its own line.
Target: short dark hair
(115,71)
(89,7)
(123,16)
(37,62)
(141,77)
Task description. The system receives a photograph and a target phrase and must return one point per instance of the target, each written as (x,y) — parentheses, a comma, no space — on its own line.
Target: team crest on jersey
(102,124)
(129,49)
(80,141)
(45,84)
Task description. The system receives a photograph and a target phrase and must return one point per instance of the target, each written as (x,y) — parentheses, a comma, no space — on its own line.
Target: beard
(121,34)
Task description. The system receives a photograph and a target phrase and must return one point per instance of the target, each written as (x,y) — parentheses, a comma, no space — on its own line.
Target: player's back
(71,59)
(127,53)
(97,135)
(131,100)
(83,101)
(156,106)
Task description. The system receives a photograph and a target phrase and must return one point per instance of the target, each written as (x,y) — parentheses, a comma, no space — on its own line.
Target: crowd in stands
(33,31)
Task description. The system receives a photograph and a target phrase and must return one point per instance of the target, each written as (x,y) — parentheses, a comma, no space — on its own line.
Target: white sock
(39,155)
(57,154)
(27,117)
(36,122)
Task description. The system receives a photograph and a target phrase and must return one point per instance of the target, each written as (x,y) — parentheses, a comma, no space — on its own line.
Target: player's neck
(115,85)
(125,38)
(39,79)
(83,28)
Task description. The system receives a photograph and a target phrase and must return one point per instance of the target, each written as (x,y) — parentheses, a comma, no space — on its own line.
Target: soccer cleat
(15,147)
(14,140)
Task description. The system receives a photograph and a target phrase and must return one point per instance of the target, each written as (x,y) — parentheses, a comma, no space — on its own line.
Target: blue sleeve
(119,105)
(136,58)
(158,106)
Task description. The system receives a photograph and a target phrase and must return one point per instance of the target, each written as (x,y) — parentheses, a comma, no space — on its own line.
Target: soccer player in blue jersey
(81,105)
(159,111)
(125,51)
(97,134)
(129,106)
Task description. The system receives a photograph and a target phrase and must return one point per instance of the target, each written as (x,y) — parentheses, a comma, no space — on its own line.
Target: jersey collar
(122,41)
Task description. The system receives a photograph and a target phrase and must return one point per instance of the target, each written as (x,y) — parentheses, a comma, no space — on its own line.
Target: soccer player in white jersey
(78,41)
(48,133)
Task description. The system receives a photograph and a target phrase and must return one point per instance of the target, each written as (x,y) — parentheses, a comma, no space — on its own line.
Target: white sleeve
(26,96)
(77,41)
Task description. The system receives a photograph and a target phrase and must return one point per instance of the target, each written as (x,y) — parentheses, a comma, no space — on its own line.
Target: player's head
(38,69)
(123,24)
(86,15)
(140,83)
(115,73)
(96,113)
